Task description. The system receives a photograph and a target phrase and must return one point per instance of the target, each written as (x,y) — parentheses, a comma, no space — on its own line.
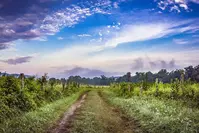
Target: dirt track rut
(92,114)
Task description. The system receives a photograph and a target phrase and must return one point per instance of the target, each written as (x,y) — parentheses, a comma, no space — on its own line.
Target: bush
(187,91)
(16,98)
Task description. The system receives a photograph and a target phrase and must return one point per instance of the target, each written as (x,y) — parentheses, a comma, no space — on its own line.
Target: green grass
(86,120)
(158,115)
(96,116)
(39,120)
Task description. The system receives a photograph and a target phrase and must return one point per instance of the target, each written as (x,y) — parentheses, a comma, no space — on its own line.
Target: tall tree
(43,81)
(63,81)
(52,82)
(22,77)
(128,75)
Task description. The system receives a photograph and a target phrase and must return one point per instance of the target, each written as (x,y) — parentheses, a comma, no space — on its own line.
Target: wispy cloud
(41,38)
(37,19)
(144,32)
(144,64)
(180,41)
(84,35)
(60,38)
(72,15)
(8,47)
(86,72)
(3,46)
(128,33)
(186,41)
(18,60)
(175,5)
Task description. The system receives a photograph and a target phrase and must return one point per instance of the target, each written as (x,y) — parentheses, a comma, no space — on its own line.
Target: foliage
(40,119)
(163,75)
(18,95)
(158,115)
(186,91)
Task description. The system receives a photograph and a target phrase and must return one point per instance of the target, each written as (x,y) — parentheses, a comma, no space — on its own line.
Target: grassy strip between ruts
(39,120)
(158,115)
(96,116)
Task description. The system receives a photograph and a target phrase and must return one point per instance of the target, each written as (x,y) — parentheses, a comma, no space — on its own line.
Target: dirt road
(92,114)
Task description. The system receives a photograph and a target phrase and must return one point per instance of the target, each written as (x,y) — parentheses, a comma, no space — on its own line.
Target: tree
(43,81)
(103,80)
(22,77)
(162,75)
(196,73)
(63,81)
(189,71)
(4,74)
(156,86)
(52,82)
(182,81)
(128,75)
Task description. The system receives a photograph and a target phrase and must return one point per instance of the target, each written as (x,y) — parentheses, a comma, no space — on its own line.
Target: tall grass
(158,115)
(40,119)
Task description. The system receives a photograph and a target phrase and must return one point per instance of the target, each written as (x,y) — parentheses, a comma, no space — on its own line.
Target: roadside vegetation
(162,102)
(29,104)
(157,115)
(159,107)
(40,119)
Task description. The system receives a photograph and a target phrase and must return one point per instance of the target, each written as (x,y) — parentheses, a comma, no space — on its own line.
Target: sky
(97,37)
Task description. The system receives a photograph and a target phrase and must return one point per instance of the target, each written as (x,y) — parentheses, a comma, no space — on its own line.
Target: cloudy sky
(97,37)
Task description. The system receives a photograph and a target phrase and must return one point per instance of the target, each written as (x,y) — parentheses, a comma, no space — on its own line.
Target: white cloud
(184,6)
(11,47)
(115,5)
(186,41)
(143,32)
(94,55)
(72,15)
(175,8)
(180,41)
(129,33)
(42,39)
(133,33)
(120,62)
(175,5)
(84,35)
(100,34)
(60,38)
(194,1)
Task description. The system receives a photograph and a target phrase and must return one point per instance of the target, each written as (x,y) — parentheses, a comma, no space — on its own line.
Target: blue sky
(97,37)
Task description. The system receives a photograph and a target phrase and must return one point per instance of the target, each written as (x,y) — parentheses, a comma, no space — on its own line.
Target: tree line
(190,72)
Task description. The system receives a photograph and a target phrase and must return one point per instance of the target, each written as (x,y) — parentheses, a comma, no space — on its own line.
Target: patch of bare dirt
(63,125)
(126,124)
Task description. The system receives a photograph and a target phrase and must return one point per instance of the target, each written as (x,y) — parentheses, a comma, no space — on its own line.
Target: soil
(63,125)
